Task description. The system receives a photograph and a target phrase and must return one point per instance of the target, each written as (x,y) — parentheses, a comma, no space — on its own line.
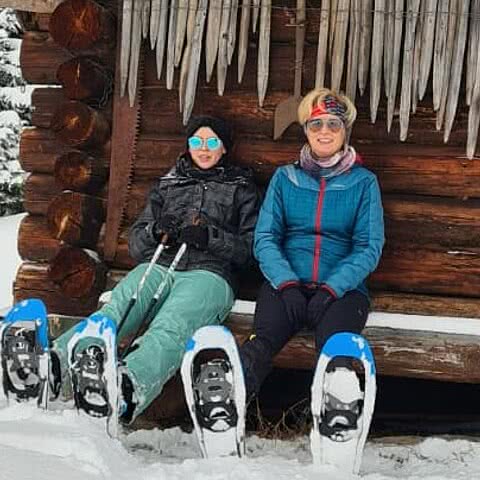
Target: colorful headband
(330,105)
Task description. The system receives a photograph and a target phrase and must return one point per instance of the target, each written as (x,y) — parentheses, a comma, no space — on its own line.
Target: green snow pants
(192,300)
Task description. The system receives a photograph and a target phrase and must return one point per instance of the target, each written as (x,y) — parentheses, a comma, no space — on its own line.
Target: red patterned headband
(330,105)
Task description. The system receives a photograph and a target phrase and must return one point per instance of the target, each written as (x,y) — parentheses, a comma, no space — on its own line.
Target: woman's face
(203,157)
(325,134)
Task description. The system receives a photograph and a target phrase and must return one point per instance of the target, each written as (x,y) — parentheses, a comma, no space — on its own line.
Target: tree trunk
(82,25)
(80,172)
(78,273)
(85,79)
(79,125)
(76,218)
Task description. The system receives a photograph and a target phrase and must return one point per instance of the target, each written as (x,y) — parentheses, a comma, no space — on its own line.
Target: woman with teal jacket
(319,235)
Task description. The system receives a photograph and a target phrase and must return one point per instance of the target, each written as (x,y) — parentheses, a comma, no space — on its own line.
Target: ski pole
(146,318)
(133,299)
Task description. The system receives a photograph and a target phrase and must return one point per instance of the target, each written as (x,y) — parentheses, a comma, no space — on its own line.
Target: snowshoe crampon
(215,391)
(92,362)
(24,352)
(341,409)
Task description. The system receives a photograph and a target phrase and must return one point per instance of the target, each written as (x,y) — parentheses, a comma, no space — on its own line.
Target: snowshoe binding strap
(216,410)
(20,364)
(90,390)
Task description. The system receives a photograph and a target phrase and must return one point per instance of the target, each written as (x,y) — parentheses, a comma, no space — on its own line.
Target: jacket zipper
(318,237)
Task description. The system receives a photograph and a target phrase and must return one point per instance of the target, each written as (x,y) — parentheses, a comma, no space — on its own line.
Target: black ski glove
(295,304)
(318,305)
(167,224)
(196,235)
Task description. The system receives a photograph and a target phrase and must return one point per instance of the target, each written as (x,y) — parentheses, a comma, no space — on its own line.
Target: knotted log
(34,240)
(86,79)
(82,25)
(80,172)
(79,125)
(32,281)
(78,273)
(76,218)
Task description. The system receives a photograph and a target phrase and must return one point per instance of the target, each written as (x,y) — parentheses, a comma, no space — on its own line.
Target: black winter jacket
(224,198)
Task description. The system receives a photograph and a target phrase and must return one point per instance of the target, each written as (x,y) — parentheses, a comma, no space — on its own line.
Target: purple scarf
(327,167)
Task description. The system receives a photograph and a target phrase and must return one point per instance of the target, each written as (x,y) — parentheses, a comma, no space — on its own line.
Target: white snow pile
(63,444)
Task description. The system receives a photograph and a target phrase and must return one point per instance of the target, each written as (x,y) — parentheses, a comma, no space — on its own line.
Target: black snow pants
(273,328)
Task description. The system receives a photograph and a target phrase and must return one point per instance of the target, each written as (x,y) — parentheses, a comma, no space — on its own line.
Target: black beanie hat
(218,125)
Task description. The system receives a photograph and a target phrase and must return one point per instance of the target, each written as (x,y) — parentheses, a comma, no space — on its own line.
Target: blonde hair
(317,96)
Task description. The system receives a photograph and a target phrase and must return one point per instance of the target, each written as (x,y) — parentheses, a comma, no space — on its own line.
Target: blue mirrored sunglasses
(212,143)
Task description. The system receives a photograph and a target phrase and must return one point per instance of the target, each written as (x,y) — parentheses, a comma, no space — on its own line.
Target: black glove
(318,305)
(295,303)
(168,224)
(196,235)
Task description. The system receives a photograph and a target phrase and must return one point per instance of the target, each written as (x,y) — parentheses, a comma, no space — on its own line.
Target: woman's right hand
(168,224)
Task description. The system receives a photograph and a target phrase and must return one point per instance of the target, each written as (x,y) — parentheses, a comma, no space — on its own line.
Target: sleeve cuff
(288,284)
(329,289)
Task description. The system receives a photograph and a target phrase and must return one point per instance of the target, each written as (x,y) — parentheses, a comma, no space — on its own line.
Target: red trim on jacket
(329,289)
(318,239)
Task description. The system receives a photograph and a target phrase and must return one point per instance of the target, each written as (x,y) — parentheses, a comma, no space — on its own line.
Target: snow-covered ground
(60,444)
(10,259)
(63,445)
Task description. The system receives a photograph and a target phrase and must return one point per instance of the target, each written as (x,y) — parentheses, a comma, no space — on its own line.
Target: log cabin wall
(431,194)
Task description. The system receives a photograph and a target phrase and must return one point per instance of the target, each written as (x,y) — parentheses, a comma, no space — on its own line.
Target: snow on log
(82,25)
(79,125)
(78,171)
(78,273)
(76,218)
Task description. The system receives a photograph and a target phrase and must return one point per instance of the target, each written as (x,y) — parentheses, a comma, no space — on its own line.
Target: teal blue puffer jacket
(327,231)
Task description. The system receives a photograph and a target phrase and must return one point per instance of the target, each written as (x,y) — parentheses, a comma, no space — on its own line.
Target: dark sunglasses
(212,143)
(316,124)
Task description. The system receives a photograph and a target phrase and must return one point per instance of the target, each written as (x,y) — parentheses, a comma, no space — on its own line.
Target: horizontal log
(31,5)
(242,109)
(39,150)
(32,281)
(400,353)
(38,191)
(78,273)
(44,102)
(40,58)
(76,218)
(86,79)
(35,242)
(80,172)
(401,169)
(79,125)
(82,25)
(455,273)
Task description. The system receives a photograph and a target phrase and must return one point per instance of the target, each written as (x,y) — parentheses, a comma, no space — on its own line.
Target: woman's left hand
(196,235)
(318,305)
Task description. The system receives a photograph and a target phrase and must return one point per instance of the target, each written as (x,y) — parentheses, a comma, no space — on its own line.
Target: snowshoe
(341,409)
(24,353)
(215,391)
(92,362)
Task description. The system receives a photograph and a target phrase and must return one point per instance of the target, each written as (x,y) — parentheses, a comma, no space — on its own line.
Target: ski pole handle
(133,299)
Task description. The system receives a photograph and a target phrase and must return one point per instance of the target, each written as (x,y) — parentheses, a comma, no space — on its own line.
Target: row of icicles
(399,41)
